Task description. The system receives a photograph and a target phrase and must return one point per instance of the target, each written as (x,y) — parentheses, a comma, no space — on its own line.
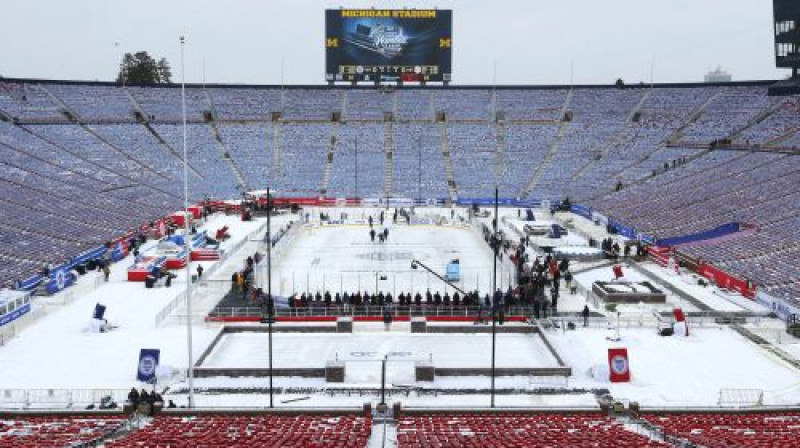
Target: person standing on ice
(381,217)
(585,314)
(106,271)
(385,233)
(387,317)
(346,301)
(372,231)
(370,222)
(498,297)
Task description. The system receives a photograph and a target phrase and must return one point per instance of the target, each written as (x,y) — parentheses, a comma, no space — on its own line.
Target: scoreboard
(787,37)
(388,45)
(786,9)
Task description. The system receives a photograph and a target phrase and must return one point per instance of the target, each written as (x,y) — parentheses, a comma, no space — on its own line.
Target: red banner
(727,281)
(618,365)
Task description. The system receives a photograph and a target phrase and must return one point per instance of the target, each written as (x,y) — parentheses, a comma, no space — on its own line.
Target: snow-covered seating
(284,430)
(718,430)
(55,431)
(371,161)
(522,429)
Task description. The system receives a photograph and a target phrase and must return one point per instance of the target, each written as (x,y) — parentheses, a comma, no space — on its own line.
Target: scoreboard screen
(786,9)
(388,45)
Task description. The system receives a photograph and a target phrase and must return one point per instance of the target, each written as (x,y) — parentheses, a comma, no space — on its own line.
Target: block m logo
(445,43)
(332,42)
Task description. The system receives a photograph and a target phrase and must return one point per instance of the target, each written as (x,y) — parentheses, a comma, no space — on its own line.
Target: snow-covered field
(675,371)
(451,350)
(55,350)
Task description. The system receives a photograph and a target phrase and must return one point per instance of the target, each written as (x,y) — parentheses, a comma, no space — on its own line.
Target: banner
(148,362)
(726,281)
(582,210)
(681,326)
(618,365)
(717,232)
(99,311)
(784,309)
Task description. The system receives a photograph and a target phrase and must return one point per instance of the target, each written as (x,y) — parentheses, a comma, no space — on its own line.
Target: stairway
(326,172)
(619,137)
(639,105)
(501,160)
(448,162)
(226,156)
(162,143)
(388,148)
(537,175)
(277,168)
(554,145)
(763,115)
(678,133)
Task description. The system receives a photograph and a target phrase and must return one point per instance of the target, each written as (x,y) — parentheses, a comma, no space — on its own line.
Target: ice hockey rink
(343,258)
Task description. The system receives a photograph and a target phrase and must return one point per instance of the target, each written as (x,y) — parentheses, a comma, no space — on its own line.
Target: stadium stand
(716,430)
(265,431)
(757,190)
(55,431)
(512,430)
(59,140)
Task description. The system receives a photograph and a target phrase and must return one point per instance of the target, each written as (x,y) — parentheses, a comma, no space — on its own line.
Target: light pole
(270,302)
(419,175)
(355,166)
(190,376)
(382,404)
(495,249)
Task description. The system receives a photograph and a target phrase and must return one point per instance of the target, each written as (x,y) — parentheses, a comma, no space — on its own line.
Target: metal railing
(377,311)
(58,398)
(41,305)
(229,252)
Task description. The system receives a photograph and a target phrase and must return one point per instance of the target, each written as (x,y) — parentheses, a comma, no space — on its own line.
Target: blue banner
(99,311)
(60,278)
(14,315)
(582,210)
(148,362)
(723,230)
(506,202)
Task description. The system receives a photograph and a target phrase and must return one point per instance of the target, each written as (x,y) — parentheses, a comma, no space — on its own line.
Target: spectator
(387,317)
(585,314)
(133,396)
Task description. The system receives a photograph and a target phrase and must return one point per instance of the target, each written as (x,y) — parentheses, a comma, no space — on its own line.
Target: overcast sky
(530,41)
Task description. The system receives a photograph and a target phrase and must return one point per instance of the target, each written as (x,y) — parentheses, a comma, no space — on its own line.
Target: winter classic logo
(61,279)
(619,365)
(147,366)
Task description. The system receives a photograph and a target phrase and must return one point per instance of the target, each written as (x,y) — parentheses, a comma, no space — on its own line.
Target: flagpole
(186,237)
